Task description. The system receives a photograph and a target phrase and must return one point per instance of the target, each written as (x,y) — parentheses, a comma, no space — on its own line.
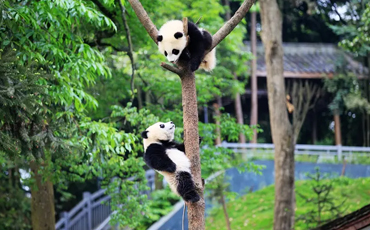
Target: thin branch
(232,23)
(196,23)
(104,10)
(171,68)
(130,52)
(99,43)
(185,25)
(185,28)
(144,19)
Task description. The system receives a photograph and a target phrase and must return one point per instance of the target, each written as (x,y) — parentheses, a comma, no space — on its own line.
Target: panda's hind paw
(192,197)
(194,67)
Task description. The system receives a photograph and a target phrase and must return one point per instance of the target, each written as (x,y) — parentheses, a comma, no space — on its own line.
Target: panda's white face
(160,131)
(171,40)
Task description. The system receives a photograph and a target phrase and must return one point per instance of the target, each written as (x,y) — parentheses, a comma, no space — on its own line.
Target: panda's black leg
(195,63)
(186,187)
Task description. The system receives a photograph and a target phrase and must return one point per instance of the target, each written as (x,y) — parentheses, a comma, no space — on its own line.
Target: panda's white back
(180,159)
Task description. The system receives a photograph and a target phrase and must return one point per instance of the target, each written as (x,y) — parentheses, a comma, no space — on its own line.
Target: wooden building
(306,61)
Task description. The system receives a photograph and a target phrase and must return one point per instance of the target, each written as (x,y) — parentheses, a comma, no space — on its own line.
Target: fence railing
(93,212)
(328,150)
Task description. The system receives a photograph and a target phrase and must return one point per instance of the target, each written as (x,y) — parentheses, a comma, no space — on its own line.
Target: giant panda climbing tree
(189,101)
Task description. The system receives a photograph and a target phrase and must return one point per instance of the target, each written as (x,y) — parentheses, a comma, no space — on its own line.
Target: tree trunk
(254,87)
(191,139)
(367,93)
(189,102)
(42,204)
(217,117)
(239,115)
(314,128)
(338,134)
(281,129)
(222,199)
(139,99)
(237,101)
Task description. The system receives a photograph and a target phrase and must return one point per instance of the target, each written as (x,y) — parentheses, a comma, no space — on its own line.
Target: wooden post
(338,134)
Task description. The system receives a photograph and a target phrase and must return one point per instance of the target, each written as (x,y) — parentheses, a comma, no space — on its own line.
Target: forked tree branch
(189,103)
(144,19)
(171,68)
(217,37)
(130,46)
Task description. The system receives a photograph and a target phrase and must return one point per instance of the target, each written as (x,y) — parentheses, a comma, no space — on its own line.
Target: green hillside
(255,210)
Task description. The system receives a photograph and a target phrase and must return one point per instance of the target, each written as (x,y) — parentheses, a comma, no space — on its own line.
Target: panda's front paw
(171,168)
(200,139)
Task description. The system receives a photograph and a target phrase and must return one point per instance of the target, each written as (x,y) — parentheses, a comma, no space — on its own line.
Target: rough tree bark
(282,132)
(239,115)
(189,102)
(42,204)
(217,116)
(254,88)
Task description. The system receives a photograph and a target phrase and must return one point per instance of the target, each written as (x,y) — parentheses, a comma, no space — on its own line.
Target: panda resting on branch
(172,42)
(169,159)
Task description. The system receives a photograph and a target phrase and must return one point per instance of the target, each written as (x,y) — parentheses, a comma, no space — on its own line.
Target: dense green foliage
(74,99)
(255,210)
(67,101)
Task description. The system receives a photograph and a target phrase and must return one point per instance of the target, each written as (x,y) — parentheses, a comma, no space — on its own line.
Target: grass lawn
(255,210)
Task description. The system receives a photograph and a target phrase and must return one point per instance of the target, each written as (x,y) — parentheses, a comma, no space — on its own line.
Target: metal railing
(94,211)
(338,151)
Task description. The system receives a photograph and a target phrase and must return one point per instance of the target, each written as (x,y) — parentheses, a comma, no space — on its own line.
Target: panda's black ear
(178,35)
(144,134)
(159,38)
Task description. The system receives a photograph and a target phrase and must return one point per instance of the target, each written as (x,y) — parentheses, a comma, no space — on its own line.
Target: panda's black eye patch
(159,38)
(178,35)
(175,51)
(165,53)
(161,125)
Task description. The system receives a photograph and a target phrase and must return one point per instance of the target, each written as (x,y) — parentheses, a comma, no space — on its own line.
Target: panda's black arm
(155,157)
(195,46)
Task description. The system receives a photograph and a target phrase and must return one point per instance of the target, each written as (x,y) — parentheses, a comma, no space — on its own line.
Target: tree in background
(304,96)
(216,160)
(282,131)
(324,202)
(356,39)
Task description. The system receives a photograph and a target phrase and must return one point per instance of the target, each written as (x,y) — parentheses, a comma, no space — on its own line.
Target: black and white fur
(172,43)
(169,159)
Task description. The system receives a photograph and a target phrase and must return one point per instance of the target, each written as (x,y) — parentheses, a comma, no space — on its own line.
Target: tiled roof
(355,220)
(310,60)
